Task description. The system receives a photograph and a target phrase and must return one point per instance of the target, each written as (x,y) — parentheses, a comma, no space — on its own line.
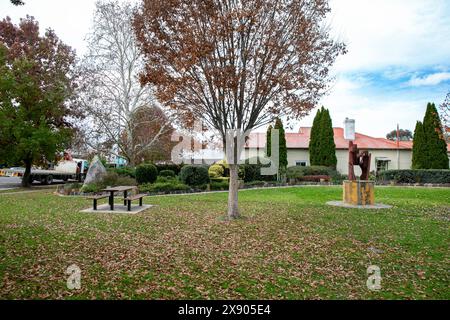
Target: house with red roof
(386,154)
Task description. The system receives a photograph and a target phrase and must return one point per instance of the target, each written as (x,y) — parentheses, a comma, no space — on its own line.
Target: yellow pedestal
(359,193)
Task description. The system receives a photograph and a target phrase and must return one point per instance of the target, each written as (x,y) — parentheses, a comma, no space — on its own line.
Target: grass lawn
(289,246)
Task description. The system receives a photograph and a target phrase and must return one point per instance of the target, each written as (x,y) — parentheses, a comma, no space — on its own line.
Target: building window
(301,163)
(382,164)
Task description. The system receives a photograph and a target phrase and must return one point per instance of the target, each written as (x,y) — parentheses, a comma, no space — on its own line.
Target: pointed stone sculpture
(96,171)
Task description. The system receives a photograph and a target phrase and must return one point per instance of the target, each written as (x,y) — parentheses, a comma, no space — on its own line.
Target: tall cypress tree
(436,156)
(327,145)
(314,142)
(419,152)
(283,161)
(322,149)
(269,142)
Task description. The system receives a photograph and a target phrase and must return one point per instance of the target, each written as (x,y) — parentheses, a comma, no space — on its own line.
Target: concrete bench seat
(95,198)
(134,198)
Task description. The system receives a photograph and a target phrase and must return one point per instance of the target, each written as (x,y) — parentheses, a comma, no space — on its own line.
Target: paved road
(9,182)
(14,182)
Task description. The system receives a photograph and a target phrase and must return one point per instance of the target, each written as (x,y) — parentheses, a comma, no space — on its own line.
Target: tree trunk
(233,210)
(26,175)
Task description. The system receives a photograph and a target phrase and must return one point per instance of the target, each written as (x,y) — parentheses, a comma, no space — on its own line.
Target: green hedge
(170,166)
(146,173)
(255,184)
(219,186)
(125,171)
(163,187)
(194,175)
(221,179)
(167,173)
(113,179)
(415,176)
(252,172)
(298,172)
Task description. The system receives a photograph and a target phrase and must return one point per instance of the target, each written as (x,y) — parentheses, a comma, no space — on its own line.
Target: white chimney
(349,129)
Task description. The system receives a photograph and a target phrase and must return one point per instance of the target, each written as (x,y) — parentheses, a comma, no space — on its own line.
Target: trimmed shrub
(255,184)
(194,175)
(252,172)
(146,173)
(125,171)
(126,181)
(165,187)
(221,179)
(219,186)
(167,173)
(170,166)
(223,163)
(166,179)
(297,172)
(91,188)
(439,176)
(216,171)
(338,178)
(316,178)
(112,179)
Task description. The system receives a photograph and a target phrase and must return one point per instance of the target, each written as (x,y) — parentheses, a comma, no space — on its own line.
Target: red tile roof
(300,140)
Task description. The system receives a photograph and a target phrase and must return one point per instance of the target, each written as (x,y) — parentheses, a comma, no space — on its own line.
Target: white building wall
(294,155)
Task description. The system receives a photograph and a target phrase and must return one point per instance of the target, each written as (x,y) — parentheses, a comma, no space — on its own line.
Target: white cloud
(391,38)
(387,33)
(429,80)
(71,20)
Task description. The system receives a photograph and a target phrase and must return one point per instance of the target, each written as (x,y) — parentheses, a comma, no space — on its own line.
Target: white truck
(74,169)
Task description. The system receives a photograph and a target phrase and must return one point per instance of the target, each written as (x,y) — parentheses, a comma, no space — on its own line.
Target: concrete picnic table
(113,190)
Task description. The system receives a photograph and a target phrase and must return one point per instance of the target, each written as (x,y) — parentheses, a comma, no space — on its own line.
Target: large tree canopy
(236,65)
(151,135)
(403,135)
(37,104)
(111,91)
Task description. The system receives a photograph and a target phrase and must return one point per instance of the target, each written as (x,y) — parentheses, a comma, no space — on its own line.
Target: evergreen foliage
(429,146)
(434,137)
(322,149)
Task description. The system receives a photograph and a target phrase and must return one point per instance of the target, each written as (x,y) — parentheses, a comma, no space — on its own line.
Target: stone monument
(96,171)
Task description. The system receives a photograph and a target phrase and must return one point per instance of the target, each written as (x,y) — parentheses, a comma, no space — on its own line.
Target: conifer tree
(436,156)
(283,161)
(314,142)
(322,149)
(327,145)
(419,148)
(269,142)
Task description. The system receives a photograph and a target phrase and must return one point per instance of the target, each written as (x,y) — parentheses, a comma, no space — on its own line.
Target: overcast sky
(398,55)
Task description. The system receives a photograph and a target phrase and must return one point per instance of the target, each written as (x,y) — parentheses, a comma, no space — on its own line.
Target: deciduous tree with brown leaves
(151,135)
(236,65)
